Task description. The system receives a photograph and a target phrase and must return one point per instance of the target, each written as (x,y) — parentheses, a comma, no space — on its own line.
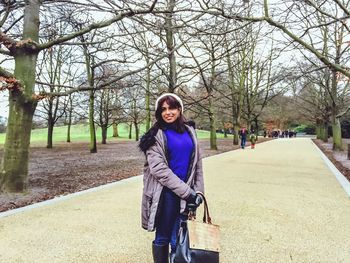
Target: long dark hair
(148,139)
(173,103)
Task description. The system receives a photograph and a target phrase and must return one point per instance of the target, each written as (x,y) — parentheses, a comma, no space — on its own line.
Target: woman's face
(169,115)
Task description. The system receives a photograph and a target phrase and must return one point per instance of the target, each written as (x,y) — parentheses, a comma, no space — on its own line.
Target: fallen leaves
(11,84)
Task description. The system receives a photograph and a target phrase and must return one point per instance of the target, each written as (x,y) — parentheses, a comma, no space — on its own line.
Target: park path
(276,203)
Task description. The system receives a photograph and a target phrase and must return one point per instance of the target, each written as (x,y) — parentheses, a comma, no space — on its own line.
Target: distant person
(172,175)
(243,136)
(274,134)
(253,138)
(265,133)
(291,134)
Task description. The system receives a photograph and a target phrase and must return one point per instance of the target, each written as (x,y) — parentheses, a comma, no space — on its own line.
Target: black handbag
(198,242)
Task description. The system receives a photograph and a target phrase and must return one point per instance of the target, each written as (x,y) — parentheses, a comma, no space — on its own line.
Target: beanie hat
(172,95)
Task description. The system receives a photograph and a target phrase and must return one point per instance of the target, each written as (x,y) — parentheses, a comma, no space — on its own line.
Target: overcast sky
(4,104)
(4,94)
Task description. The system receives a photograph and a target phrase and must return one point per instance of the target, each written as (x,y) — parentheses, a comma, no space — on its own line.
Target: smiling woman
(169,114)
(172,175)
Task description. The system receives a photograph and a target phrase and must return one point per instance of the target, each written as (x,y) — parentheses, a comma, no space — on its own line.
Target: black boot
(160,253)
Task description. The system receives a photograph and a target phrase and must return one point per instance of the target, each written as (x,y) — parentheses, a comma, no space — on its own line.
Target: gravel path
(70,167)
(277,203)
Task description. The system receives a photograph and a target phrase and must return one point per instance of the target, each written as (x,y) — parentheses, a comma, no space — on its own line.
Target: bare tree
(207,54)
(298,20)
(22,99)
(133,94)
(54,72)
(106,101)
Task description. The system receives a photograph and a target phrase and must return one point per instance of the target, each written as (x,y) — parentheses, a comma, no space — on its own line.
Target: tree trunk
(50,126)
(318,129)
(90,76)
(324,132)
(93,143)
(236,108)
(148,94)
(130,131)
(69,119)
(323,136)
(14,166)
(104,130)
(68,132)
(235,132)
(14,169)
(137,131)
(169,30)
(337,138)
(115,130)
(256,128)
(213,143)
(318,132)
(336,128)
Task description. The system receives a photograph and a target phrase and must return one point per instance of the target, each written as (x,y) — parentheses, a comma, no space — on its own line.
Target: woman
(243,135)
(172,175)
(252,139)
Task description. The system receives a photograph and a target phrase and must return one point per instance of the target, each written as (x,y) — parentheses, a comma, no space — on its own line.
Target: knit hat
(172,95)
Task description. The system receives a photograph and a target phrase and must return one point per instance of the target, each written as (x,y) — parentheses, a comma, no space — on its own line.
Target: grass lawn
(80,132)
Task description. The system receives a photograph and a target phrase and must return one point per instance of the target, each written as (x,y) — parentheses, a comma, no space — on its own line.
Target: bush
(305,128)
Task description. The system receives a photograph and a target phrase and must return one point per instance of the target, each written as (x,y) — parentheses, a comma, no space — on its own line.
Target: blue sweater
(180,147)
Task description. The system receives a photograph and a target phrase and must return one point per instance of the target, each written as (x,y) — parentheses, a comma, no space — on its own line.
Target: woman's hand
(193,201)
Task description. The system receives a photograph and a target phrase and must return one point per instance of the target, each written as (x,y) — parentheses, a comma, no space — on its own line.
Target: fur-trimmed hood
(148,139)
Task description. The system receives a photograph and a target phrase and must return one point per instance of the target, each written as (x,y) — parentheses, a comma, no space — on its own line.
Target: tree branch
(8,42)
(8,81)
(269,20)
(346,11)
(320,56)
(105,85)
(343,112)
(4,73)
(96,26)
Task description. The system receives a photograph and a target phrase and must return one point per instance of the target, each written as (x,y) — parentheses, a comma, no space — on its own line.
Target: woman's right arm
(163,174)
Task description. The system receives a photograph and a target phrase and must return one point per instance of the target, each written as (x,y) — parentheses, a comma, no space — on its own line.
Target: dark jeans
(243,141)
(168,223)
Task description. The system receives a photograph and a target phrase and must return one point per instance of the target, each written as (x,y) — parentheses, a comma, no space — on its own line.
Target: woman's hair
(149,138)
(173,103)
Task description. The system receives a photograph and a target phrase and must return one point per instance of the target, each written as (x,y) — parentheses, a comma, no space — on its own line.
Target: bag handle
(206,216)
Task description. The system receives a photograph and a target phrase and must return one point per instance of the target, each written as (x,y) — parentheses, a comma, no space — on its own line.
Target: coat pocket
(146,209)
(149,205)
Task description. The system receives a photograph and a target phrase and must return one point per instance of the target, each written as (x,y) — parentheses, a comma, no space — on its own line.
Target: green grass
(80,132)
(201,134)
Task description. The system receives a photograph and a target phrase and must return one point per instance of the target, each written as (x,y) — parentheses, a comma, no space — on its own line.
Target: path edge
(343,181)
(66,197)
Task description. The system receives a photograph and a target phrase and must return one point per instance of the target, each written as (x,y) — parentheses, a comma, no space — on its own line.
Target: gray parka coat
(157,174)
